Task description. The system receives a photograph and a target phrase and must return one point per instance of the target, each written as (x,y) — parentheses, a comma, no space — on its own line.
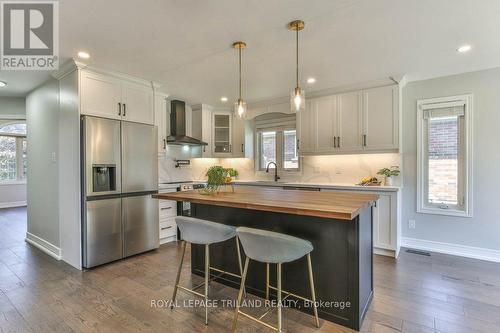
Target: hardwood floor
(439,293)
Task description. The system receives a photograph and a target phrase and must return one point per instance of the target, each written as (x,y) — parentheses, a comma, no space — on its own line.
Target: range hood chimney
(178,126)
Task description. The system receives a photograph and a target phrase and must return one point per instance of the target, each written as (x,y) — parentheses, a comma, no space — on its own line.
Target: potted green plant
(216,178)
(389,173)
(233,173)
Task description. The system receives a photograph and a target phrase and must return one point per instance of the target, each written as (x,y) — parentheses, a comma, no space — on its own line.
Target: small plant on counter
(216,178)
(389,173)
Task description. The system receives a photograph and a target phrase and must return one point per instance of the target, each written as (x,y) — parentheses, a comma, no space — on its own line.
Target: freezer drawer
(140,224)
(103,232)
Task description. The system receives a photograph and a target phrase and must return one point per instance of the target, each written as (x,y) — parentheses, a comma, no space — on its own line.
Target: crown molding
(72,65)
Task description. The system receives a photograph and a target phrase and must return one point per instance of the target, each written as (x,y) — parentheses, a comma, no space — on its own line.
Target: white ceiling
(186,44)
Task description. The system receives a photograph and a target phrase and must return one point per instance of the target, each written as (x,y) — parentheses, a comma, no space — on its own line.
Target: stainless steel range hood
(178,126)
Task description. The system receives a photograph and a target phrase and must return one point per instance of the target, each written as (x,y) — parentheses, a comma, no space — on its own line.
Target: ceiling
(186,44)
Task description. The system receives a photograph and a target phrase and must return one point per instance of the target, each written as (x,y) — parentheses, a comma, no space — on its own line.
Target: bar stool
(273,248)
(197,231)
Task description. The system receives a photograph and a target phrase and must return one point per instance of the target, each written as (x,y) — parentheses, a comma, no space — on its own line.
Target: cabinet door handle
(334,142)
(242,147)
(338,142)
(119,108)
(164,143)
(124,109)
(165,208)
(298,145)
(230,148)
(364,140)
(204,149)
(165,228)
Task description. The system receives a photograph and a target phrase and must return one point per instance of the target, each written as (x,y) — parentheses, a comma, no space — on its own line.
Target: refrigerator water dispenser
(104,177)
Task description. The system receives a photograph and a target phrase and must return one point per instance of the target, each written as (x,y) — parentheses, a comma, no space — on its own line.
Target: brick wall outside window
(443,160)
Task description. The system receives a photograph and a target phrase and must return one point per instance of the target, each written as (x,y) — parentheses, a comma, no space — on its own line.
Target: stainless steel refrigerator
(119,174)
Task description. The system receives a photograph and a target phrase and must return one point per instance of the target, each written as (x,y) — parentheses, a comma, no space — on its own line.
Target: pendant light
(297,97)
(240,107)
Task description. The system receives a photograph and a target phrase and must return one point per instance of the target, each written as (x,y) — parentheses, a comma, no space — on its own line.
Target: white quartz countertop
(340,186)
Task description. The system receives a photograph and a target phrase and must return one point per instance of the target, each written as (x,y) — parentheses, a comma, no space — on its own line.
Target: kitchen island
(339,225)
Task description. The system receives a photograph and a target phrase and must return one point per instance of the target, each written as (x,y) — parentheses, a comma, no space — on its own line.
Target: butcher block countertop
(345,206)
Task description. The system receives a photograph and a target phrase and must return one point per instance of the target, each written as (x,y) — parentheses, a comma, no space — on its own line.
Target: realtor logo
(30,35)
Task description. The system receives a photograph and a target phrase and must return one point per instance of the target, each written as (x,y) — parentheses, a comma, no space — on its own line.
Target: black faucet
(276,177)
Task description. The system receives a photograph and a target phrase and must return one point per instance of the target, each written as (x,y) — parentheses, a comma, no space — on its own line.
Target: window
(276,141)
(13,152)
(445,156)
(280,147)
(267,148)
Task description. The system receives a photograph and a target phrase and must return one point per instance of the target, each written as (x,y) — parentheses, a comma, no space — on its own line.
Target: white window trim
(425,104)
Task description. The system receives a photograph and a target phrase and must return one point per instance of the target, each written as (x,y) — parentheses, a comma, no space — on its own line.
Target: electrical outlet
(411,224)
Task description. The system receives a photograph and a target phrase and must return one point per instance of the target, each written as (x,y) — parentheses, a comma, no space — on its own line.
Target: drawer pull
(165,208)
(165,228)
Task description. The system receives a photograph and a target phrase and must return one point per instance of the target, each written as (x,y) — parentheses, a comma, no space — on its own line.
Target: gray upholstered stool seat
(202,232)
(197,231)
(272,247)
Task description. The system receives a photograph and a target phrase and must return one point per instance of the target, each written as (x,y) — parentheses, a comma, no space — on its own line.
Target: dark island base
(342,259)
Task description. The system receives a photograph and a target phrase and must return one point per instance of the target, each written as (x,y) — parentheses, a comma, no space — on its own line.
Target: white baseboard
(12,204)
(168,239)
(384,252)
(453,249)
(43,245)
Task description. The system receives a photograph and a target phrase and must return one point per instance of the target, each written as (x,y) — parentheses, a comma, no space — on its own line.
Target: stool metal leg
(207,273)
(178,274)
(240,294)
(279,297)
(313,293)
(267,281)
(239,262)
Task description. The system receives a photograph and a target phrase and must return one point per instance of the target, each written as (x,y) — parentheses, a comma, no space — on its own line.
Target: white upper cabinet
(326,118)
(306,126)
(381,118)
(111,97)
(202,127)
(161,115)
(349,129)
(222,136)
(363,120)
(238,137)
(100,95)
(137,102)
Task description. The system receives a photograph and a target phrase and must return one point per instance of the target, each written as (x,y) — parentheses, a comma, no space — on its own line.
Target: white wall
(13,107)
(12,194)
(42,117)
(483,230)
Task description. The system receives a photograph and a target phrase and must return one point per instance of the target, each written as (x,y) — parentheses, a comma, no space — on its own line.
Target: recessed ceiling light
(311,80)
(3,84)
(223,99)
(464,48)
(83,55)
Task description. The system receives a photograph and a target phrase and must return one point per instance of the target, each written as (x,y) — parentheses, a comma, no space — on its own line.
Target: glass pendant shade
(240,108)
(298,100)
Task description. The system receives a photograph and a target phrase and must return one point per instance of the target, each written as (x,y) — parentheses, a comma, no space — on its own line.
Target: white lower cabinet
(386,221)
(167,225)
